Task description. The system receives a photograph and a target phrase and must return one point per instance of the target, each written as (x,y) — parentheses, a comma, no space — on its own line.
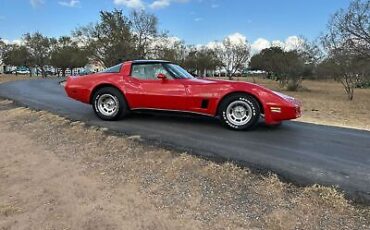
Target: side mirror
(161,76)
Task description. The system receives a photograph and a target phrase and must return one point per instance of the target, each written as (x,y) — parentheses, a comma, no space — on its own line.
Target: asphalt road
(300,153)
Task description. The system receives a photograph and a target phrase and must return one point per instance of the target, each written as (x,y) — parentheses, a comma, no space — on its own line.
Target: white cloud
(198,19)
(36,3)
(211,45)
(291,43)
(278,43)
(160,4)
(70,3)
(168,42)
(237,38)
(215,6)
(259,45)
(155,4)
(13,42)
(134,4)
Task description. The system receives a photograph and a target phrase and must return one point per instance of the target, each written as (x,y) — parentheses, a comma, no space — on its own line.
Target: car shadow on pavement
(179,118)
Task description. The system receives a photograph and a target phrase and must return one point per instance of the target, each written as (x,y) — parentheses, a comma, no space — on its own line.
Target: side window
(149,71)
(113,69)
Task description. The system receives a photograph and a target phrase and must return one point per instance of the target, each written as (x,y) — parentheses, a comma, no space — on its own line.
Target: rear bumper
(76,92)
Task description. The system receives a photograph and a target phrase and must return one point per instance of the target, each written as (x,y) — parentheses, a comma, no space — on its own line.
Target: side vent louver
(205,103)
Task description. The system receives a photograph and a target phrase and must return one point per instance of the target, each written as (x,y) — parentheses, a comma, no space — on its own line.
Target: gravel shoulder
(58,174)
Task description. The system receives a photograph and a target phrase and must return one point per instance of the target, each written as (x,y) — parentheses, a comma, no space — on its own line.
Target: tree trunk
(350,92)
(348,86)
(30,71)
(43,72)
(253,79)
(230,76)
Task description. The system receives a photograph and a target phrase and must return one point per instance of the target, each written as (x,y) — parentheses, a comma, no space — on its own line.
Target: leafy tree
(287,66)
(67,54)
(40,48)
(202,59)
(207,59)
(111,40)
(17,55)
(3,47)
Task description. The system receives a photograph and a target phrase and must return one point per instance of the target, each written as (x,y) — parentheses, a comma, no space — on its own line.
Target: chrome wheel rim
(108,105)
(239,113)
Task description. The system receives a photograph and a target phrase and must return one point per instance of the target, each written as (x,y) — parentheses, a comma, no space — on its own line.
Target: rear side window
(113,69)
(149,71)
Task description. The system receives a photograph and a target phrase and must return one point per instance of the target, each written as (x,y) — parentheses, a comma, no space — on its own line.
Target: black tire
(114,95)
(248,117)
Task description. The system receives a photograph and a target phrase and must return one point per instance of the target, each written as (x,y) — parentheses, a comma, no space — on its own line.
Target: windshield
(178,71)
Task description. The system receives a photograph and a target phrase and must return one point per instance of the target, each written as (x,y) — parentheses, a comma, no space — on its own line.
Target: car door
(145,91)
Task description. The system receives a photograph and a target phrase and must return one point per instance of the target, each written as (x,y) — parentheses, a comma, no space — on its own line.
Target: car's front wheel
(239,111)
(109,104)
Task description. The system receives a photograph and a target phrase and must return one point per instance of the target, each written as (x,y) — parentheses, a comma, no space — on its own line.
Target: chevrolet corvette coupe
(162,85)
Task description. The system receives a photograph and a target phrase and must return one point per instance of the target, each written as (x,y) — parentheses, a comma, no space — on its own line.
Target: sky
(194,21)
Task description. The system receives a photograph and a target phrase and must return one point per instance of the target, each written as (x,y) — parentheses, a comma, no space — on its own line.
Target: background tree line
(116,38)
(342,52)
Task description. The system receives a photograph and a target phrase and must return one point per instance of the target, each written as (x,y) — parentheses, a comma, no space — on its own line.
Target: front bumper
(288,109)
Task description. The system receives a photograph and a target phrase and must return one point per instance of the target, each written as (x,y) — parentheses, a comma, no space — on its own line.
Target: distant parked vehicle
(85,72)
(21,71)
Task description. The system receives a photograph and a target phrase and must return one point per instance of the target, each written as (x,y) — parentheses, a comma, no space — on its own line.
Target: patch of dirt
(58,174)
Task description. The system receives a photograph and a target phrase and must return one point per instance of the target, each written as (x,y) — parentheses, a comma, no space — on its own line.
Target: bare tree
(348,68)
(234,55)
(352,26)
(144,27)
(347,43)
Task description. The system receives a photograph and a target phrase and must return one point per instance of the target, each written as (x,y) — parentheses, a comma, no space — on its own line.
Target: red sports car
(162,85)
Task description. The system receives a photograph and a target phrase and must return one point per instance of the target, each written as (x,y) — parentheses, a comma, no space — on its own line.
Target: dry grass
(325,102)
(183,191)
(13,77)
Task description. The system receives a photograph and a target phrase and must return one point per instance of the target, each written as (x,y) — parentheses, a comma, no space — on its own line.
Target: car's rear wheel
(239,112)
(109,104)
